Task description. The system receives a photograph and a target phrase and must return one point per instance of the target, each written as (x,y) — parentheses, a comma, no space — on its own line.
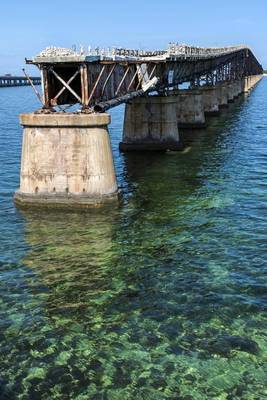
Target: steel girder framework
(98,83)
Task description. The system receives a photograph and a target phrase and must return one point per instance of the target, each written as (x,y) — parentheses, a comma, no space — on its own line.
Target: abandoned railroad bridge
(66,157)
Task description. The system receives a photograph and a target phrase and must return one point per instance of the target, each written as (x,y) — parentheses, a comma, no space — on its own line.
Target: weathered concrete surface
(254,79)
(210,100)
(150,123)
(231,92)
(64,120)
(246,84)
(222,93)
(249,82)
(190,108)
(236,88)
(66,160)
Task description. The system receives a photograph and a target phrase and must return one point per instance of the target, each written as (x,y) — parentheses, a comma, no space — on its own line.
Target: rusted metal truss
(104,83)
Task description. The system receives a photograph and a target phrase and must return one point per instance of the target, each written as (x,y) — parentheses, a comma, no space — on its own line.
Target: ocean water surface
(161,297)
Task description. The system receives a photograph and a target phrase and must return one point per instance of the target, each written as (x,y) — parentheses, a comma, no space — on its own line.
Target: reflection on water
(161,297)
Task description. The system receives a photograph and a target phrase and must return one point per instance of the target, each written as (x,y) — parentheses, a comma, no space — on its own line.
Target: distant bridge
(9,80)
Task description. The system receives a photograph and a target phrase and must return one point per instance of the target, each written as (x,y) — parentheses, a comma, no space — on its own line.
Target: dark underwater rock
(224,344)
(5,392)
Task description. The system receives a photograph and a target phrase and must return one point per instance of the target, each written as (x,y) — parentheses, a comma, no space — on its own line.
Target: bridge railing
(182,49)
(118,53)
(174,49)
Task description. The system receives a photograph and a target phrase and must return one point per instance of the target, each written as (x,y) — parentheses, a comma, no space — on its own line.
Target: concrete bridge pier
(256,79)
(150,123)
(222,92)
(249,82)
(66,161)
(238,85)
(231,92)
(190,109)
(237,88)
(246,84)
(252,81)
(210,100)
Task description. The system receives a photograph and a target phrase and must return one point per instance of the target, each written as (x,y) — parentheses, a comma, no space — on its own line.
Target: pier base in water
(210,100)
(190,109)
(66,161)
(150,123)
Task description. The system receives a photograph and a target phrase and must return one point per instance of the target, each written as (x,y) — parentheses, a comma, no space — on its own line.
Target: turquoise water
(162,297)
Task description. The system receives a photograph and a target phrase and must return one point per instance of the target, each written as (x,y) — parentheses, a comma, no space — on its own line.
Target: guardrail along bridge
(164,91)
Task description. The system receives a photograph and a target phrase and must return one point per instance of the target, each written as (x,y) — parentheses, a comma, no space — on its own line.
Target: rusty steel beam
(96,83)
(133,79)
(122,80)
(108,78)
(54,99)
(66,85)
(34,88)
(84,85)
(105,105)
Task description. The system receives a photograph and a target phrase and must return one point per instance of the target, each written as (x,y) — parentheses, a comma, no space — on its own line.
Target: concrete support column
(249,78)
(190,109)
(235,89)
(238,87)
(251,82)
(150,123)
(248,82)
(245,85)
(256,79)
(210,100)
(66,161)
(222,92)
(231,92)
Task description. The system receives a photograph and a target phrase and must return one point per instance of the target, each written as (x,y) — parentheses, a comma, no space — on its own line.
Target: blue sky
(30,25)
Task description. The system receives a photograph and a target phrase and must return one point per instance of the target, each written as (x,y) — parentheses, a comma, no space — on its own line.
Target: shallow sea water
(163,296)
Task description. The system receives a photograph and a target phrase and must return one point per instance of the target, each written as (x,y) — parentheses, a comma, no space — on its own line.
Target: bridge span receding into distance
(163,90)
(105,78)
(10,80)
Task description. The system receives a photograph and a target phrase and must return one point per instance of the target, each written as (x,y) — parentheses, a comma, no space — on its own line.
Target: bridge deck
(105,78)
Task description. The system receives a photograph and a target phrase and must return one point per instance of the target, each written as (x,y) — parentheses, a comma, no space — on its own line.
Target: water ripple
(164,296)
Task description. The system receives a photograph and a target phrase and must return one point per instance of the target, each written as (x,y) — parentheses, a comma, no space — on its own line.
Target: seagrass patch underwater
(163,296)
